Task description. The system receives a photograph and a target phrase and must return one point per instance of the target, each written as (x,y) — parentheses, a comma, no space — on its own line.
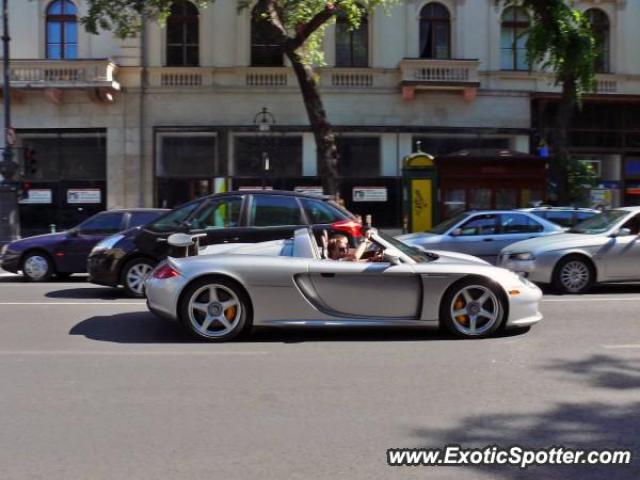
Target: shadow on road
(587,425)
(20,279)
(101,293)
(608,288)
(144,327)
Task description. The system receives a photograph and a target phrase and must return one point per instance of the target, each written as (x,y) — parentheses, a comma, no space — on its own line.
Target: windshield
(447,224)
(415,254)
(600,223)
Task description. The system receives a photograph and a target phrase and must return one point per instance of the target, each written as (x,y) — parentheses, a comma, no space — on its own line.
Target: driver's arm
(363,246)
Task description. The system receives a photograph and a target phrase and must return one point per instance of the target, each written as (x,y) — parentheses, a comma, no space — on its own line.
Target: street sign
(10,137)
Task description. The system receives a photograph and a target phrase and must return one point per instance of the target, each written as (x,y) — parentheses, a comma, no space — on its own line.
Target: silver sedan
(605,248)
(482,234)
(287,282)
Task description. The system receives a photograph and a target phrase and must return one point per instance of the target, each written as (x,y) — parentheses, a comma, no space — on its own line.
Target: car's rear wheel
(574,274)
(215,309)
(472,308)
(134,274)
(37,267)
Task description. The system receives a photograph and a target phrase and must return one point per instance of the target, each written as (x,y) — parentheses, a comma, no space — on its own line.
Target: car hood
(418,238)
(559,241)
(39,240)
(458,258)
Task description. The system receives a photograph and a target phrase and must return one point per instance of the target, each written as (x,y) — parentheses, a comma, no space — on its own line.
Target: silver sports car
(287,282)
(604,248)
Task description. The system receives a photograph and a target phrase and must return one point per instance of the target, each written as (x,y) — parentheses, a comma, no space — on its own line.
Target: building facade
(163,118)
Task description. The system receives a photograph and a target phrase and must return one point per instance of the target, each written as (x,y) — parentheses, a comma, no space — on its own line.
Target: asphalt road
(93,386)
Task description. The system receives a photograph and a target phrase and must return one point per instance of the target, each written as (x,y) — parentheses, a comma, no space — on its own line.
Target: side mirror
(456,233)
(394,260)
(180,240)
(74,232)
(623,232)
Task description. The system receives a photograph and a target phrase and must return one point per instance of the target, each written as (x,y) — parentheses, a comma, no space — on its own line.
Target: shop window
(513,39)
(352,45)
(632,168)
(61,30)
(275,210)
(506,198)
(480,198)
(284,154)
(600,26)
(454,202)
(182,35)
(188,156)
(358,156)
(435,31)
(266,50)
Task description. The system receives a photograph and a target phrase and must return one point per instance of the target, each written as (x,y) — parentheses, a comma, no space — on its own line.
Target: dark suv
(232,217)
(64,253)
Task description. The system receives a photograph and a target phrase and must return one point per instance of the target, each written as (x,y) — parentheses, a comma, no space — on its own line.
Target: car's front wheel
(134,274)
(472,308)
(215,309)
(37,267)
(574,274)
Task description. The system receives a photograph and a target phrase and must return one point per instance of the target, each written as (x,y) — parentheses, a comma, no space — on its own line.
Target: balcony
(96,76)
(432,74)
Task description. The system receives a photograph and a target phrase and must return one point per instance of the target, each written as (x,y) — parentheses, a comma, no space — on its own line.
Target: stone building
(155,120)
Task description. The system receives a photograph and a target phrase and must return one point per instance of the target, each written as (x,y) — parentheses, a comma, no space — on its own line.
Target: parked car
(288,282)
(566,217)
(64,253)
(232,217)
(482,233)
(604,248)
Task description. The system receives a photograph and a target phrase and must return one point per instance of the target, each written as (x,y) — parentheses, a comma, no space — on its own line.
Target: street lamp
(264,120)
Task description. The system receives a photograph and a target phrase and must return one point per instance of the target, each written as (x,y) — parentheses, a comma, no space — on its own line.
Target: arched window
(62,30)
(352,45)
(435,31)
(513,39)
(182,35)
(600,26)
(265,42)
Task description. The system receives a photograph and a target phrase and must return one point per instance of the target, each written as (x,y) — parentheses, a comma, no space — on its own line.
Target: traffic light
(30,161)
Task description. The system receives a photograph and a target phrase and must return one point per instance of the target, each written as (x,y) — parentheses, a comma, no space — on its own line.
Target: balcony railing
(63,74)
(429,73)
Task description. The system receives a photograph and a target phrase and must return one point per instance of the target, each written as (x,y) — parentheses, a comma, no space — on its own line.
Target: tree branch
(269,7)
(306,29)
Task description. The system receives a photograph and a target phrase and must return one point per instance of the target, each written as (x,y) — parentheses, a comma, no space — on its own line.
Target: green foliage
(560,39)
(304,20)
(582,177)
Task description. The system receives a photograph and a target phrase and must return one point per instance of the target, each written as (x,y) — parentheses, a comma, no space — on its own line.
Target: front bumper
(102,267)
(538,270)
(524,308)
(10,261)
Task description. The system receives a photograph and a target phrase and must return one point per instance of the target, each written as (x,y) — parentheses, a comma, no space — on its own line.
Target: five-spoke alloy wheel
(472,308)
(214,309)
(134,274)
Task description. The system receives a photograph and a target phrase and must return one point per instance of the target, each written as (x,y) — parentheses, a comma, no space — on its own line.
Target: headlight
(3,250)
(107,243)
(522,256)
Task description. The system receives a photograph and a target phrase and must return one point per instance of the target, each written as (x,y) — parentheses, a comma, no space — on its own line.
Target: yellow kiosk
(420,192)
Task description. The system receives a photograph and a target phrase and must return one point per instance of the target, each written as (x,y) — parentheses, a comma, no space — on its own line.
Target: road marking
(591,299)
(73,303)
(135,353)
(622,346)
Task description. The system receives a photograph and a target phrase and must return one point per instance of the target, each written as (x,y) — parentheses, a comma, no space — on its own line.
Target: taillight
(351,227)
(164,272)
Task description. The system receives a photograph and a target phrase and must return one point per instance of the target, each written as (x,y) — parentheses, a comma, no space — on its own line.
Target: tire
(208,318)
(480,308)
(574,274)
(133,274)
(37,267)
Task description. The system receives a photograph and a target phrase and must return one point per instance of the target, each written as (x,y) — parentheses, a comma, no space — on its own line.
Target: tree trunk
(327,152)
(560,166)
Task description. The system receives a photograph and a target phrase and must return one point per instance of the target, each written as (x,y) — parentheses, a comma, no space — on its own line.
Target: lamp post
(8,168)
(264,120)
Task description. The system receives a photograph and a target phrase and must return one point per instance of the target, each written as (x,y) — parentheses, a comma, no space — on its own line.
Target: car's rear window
(320,212)
(142,218)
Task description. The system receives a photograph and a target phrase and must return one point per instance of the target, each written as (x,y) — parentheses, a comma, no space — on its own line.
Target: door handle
(328,275)
(487,239)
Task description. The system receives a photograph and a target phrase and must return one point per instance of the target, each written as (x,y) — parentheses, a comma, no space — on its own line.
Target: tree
(560,38)
(299,26)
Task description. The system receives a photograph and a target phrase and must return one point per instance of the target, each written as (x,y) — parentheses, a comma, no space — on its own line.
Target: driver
(338,248)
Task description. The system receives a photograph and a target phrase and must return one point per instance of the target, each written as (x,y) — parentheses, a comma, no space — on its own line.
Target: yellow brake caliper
(459,305)
(230,313)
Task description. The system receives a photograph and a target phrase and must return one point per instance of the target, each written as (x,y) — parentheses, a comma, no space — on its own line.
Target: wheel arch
(502,294)
(213,276)
(576,254)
